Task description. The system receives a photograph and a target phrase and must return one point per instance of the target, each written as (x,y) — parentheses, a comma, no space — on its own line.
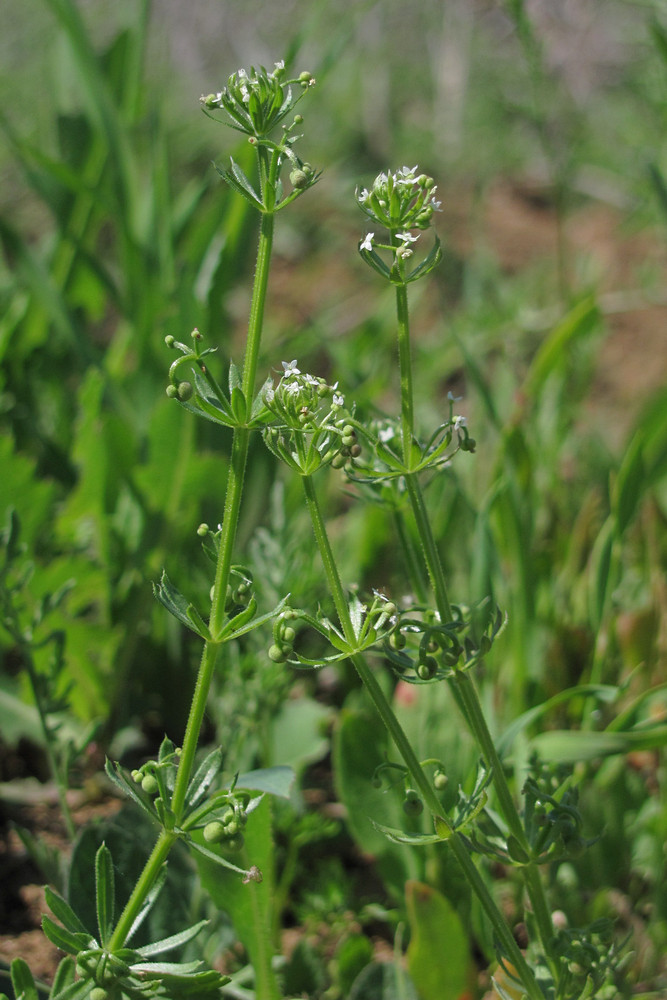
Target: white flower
(338,399)
(407,237)
(386,433)
(459,422)
(280,64)
(367,242)
(290,368)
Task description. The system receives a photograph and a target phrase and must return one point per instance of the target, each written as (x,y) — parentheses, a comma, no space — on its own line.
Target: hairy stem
(404,747)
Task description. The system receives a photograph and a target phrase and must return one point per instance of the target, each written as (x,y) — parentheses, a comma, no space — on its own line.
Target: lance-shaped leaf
(105,890)
(240,183)
(427,265)
(174,941)
(177,605)
(374,260)
(400,837)
(61,909)
(22,980)
(219,860)
(204,777)
(67,941)
(116,774)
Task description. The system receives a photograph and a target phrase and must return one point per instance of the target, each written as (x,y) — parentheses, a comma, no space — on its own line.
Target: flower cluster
(400,201)
(311,427)
(258,101)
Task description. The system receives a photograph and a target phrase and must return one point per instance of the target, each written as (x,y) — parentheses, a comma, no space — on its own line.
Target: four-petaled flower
(367,242)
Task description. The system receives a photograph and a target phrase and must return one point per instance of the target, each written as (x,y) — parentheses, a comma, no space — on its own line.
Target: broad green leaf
(272,780)
(104,893)
(438,956)
(250,905)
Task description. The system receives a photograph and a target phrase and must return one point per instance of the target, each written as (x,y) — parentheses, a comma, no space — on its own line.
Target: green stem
(418,775)
(227,540)
(146,881)
(462,685)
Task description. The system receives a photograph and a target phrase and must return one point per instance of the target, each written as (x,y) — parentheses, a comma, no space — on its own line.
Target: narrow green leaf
(572,746)
(64,976)
(116,774)
(399,837)
(149,902)
(22,981)
(177,605)
(204,777)
(603,574)
(104,893)
(63,911)
(64,939)
(578,323)
(174,941)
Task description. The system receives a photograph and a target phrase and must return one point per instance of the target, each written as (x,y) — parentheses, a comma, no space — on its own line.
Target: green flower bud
(169,340)
(298,119)
(185,391)
(202,530)
(210,101)
(299,178)
(149,784)
(412,803)
(397,640)
(389,608)
(214,832)
(440,780)
(136,775)
(235,843)
(427,669)
(305,78)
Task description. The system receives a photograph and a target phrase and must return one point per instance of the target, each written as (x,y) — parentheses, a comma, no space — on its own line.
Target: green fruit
(214,832)
(149,784)
(412,803)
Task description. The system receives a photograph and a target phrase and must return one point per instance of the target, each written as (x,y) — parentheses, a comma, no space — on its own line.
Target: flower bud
(440,780)
(298,119)
(214,832)
(202,530)
(169,340)
(299,178)
(427,669)
(149,784)
(305,77)
(412,803)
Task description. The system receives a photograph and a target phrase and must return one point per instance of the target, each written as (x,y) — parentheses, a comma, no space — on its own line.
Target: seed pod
(172,391)
(338,461)
(412,803)
(355,450)
(169,340)
(276,654)
(397,640)
(98,993)
(287,633)
(235,843)
(440,780)
(214,832)
(185,391)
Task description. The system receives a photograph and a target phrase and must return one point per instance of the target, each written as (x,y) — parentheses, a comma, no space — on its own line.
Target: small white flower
(367,242)
(292,388)
(386,433)
(452,398)
(311,380)
(403,252)
(280,64)
(290,368)
(269,394)
(338,399)
(459,422)
(407,237)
